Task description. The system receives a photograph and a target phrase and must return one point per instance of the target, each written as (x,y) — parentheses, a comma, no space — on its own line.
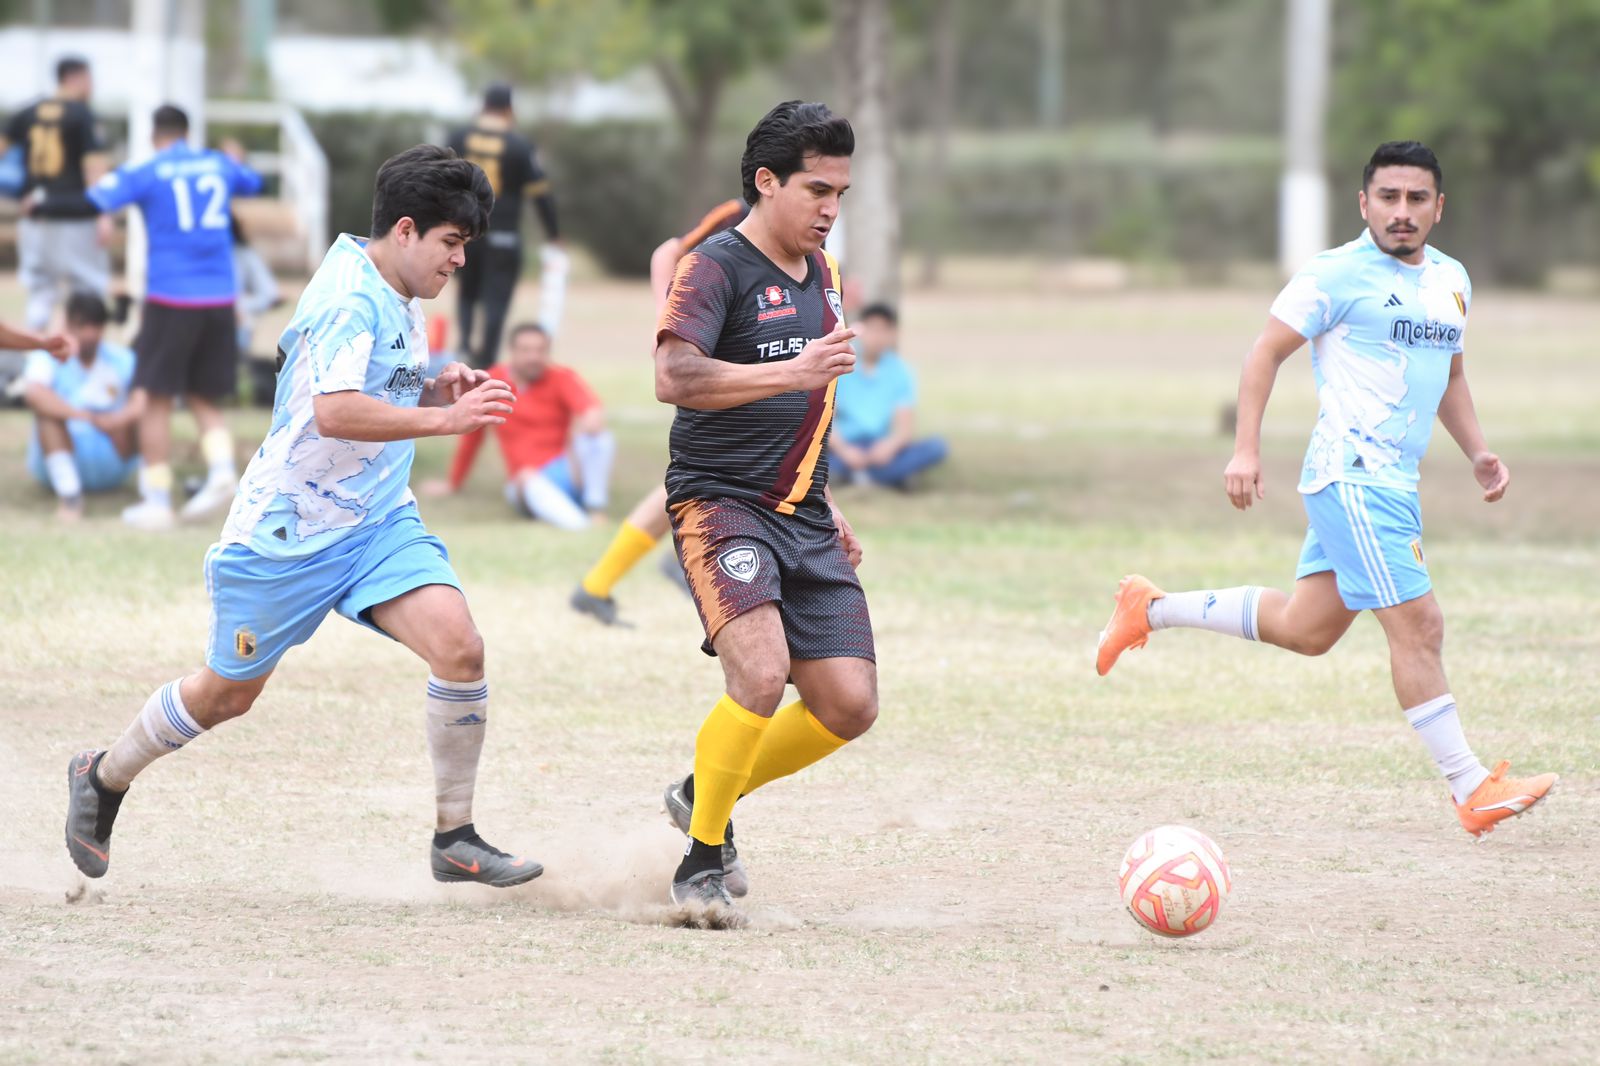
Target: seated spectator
(874,415)
(84,417)
(555,443)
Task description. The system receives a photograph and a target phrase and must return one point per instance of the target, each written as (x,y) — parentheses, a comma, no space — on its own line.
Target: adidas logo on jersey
(399,343)
(1393,301)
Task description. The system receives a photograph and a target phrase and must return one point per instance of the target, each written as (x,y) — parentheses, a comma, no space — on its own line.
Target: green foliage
(1504,93)
(356,145)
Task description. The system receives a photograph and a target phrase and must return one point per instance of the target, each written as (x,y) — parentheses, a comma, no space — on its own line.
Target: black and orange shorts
(739,555)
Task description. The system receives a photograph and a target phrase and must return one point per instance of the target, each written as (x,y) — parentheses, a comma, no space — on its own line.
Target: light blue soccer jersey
(186,197)
(101,386)
(351,332)
(1382,335)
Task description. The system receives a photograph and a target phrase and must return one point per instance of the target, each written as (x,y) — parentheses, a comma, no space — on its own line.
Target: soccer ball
(1174,880)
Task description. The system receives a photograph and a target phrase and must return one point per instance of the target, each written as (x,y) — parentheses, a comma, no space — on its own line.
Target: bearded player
(1385,315)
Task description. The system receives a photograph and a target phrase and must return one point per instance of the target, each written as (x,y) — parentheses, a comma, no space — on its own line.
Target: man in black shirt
(60,238)
(495,262)
(750,344)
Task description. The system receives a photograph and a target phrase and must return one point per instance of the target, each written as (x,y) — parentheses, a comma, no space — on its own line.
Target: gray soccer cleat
(473,859)
(680,808)
(90,815)
(602,609)
(704,889)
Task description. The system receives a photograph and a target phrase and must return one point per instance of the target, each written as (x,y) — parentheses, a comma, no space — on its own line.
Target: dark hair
(879,310)
(432,187)
(170,119)
(1404,154)
(526,327)
(497,97)
(67,66)
(86,309)
(786,135)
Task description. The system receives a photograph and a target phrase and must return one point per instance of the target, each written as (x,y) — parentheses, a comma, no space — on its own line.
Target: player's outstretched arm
(59,345)
(847,535)
(1460,417)
(1277,342)
(687,377)
(354,415)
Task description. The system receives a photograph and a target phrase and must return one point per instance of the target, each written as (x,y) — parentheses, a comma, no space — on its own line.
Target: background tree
(696,50)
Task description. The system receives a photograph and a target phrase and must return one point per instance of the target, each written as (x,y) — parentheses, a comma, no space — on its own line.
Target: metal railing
(299,163)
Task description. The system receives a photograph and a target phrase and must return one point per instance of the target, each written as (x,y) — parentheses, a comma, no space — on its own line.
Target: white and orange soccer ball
(1174,880)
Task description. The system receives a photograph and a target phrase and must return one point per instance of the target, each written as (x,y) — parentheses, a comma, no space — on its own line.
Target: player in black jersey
(495,263)
(749,347)
(60,239)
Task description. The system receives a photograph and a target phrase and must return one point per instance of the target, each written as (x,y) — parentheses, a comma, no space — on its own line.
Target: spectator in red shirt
(557,449)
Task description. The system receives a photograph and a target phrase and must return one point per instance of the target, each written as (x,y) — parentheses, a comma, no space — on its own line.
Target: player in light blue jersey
(1385,315)
(188,340)
(324,520)
(83,410)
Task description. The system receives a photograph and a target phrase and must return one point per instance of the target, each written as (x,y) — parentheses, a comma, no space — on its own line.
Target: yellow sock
(793,741)
(723,754)
(626,548)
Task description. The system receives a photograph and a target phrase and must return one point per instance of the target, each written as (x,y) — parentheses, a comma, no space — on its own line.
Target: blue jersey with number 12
(185,195)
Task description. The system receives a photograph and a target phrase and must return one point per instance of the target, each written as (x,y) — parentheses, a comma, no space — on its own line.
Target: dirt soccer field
(945,889)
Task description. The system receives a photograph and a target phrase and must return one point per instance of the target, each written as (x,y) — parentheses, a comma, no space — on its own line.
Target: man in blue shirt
(325,521)
(875,412)
(187,343)
(83,438)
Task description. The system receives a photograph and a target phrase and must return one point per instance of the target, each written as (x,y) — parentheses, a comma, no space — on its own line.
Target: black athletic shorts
(187,350)
(739,555)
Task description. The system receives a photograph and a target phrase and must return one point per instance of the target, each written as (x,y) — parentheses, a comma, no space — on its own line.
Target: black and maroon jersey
(735,304)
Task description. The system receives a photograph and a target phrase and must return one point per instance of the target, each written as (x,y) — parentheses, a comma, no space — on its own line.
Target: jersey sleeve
(576,394)
(39,369)
(339,345)
(1311,304)
(697,302)
(242,180)
(119,188)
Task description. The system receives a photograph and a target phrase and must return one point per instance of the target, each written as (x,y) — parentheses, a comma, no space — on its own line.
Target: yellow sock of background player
(626,548)
(793,741)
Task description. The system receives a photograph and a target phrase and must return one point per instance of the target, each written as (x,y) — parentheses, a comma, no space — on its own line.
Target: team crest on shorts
(741,564)
(1416,550)
(244,642)
(837,303)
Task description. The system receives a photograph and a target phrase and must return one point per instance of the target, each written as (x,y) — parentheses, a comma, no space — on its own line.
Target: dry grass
(942,891)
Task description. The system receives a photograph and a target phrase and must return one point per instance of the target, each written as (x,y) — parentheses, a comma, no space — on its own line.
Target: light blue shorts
(100,468)
(1371,538)
(260,607)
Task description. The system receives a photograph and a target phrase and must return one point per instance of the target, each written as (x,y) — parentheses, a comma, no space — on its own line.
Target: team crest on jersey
(1461,302)
(774,302)
(741,564)
(244,642)
(837,304)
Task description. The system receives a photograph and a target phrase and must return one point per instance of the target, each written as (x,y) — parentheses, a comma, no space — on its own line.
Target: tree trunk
(695,104)
(946,55)
(872,236)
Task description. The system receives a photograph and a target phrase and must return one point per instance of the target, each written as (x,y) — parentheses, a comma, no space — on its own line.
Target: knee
(848,714)
(461,658)
(1314,644)
(758,688)
(225,704)
(1423,633)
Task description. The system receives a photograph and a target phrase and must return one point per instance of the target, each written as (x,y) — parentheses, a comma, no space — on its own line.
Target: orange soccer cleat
(1501,797)
(1129,626)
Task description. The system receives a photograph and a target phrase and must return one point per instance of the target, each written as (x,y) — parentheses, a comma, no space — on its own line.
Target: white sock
(1439,726)
(216,447)
(457,714)
(1231,611)
(549,502)
(155,484)
(162,727)
(594,453)
(62,470)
